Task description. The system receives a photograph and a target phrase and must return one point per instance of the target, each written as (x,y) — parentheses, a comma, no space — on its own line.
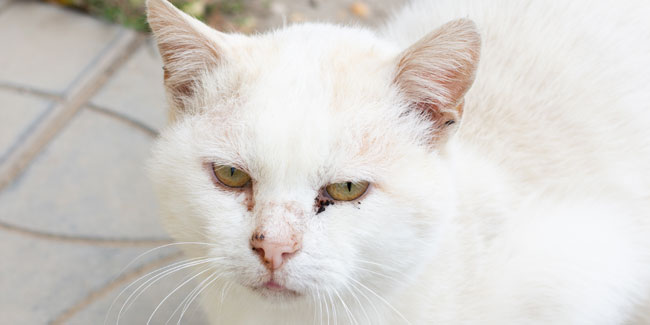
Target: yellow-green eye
(230,176)
(346,191)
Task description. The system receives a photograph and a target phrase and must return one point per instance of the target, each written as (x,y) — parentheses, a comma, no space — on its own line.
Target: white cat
(341,175)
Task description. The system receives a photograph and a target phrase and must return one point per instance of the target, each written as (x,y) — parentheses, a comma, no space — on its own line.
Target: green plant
(131,13)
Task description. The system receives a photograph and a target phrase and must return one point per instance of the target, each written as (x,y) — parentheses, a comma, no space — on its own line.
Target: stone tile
(40,279)
(17,112)
(90,181)
(144,305)
(137,90)
(50,51)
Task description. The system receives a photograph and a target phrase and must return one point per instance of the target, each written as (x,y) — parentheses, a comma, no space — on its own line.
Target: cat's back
(562,93)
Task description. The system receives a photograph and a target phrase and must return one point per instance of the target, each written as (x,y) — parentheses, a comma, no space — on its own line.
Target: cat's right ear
(435,73)
(188,49)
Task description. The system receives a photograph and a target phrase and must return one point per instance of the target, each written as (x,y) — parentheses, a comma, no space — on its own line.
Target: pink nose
(274,252)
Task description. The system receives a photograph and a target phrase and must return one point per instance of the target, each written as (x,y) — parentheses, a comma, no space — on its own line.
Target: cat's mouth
(273,289)
(272,285)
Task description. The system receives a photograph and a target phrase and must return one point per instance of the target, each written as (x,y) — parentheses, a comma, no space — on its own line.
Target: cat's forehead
(310,98)
(316,76)
(317,60)
(333,43)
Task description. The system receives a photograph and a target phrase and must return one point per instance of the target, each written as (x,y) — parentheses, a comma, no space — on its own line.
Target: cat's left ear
(188,47)
(435,73)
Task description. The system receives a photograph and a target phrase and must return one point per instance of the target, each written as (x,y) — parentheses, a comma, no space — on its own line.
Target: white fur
(535,211)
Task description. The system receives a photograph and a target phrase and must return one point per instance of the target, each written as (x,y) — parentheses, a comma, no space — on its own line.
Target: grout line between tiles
(74,99)
(123,118)
(87,240)
(24,89)
(111,286)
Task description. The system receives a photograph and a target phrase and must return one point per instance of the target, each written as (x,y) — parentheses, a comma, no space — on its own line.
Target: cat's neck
(484,197)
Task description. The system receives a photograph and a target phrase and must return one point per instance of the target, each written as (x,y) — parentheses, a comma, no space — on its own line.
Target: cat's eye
(230,176)
(346,191)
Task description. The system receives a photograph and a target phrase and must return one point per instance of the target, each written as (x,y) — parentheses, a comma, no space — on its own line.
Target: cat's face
(295,111)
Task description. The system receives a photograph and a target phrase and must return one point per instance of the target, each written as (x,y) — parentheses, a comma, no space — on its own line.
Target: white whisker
(148,283)
(142,277)
(313,308)
(186,303)
(345,306)
(172,292)
(334,315)
(377,273)
(383,266)
(327,309)
(198,293)
(320,306)
(126,305)
(372,304)
(189,295)
(363,309)
(382,299)
(161,247)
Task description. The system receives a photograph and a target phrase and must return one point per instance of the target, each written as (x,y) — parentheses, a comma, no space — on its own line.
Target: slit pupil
(349,186)
(232,171)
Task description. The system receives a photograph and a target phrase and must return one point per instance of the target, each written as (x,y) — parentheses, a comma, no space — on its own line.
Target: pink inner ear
(435,72)
(441,117)
(186,46)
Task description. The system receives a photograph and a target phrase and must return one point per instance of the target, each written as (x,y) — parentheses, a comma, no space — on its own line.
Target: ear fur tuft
(436,72)
(187,46)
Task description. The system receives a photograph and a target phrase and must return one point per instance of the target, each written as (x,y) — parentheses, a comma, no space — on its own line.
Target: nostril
(259,251)
(287,255)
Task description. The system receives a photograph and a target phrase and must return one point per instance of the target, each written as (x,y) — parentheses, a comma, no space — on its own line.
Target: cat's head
(311,158)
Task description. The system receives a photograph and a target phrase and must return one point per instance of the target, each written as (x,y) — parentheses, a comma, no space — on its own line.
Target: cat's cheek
(403,232)
(328,249)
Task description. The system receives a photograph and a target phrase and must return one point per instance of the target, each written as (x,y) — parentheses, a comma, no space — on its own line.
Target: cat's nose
(274,252)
